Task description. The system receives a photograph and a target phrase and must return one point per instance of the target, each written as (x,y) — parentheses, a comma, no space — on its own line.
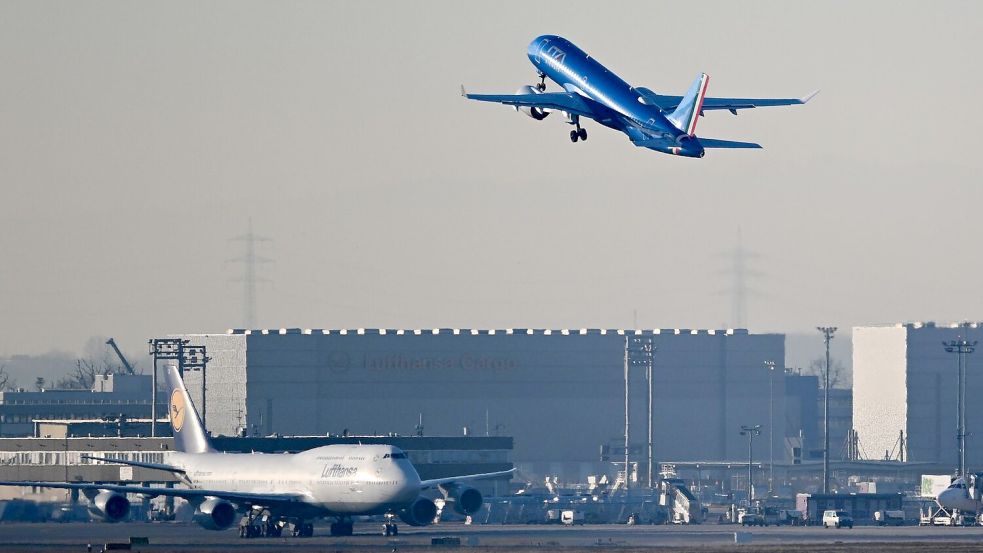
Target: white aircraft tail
(689,108)
(189,433)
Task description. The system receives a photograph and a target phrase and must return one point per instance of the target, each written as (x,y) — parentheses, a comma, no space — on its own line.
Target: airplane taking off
(274,491)
(662,123)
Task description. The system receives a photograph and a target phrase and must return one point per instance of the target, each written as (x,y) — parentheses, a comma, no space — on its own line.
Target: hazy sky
(137,138)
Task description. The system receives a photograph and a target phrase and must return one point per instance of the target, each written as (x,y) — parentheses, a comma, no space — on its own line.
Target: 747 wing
(265,499)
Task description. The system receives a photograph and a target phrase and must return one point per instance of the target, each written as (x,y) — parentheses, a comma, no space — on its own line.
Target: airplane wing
(669,103)
(560,101)
(236,497)
(426,484)
(156,466)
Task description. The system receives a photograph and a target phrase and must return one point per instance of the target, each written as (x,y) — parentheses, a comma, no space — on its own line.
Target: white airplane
(961,497)
(277,491)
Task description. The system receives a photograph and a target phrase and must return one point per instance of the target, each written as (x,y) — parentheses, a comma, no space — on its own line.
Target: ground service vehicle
(837,519)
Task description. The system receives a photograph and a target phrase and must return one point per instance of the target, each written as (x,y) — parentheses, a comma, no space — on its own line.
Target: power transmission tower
(249,261)
(740,275)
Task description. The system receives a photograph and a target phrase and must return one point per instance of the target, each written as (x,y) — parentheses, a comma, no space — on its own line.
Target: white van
(837,519)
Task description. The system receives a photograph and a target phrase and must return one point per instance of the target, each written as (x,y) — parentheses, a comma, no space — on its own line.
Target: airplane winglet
(464,93)
(809,96)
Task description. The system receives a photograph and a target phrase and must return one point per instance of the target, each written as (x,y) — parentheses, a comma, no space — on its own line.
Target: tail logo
(178,409)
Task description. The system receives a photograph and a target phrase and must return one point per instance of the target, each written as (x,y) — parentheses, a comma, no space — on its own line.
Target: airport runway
(187,538)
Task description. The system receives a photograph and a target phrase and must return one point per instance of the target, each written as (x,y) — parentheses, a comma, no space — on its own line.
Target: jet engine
(420,513)
(215,514)
(536,113)
(466,501)
(110,506)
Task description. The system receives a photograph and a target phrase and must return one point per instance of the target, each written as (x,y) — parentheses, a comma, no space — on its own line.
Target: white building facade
(904,381)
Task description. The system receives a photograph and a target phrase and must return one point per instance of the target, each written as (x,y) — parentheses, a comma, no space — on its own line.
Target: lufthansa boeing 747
(662,123)
(277,492)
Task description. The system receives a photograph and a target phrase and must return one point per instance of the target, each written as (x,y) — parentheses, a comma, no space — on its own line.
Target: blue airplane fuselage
(575,71)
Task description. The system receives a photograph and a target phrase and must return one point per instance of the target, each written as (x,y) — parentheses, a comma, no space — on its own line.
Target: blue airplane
(662,123)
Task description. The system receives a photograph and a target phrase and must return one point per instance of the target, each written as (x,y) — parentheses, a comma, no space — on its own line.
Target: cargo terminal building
(559,393)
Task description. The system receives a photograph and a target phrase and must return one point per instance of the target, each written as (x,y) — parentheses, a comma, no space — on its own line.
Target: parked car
(751,517)
(837,519)
(788,517)
(889,518)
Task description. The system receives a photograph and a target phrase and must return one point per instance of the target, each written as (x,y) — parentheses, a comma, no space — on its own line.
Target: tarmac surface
(184,537)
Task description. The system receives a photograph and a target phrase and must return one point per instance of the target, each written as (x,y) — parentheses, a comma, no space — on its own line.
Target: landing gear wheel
(390,529)
(582,133)
(574,136)
(541,85)
(306,529)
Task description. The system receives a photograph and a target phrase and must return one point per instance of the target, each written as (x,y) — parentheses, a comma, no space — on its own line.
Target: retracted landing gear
(344,527)
(541,85)
(390,528)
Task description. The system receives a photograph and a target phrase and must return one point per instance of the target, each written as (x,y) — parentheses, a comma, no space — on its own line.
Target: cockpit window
(394,456)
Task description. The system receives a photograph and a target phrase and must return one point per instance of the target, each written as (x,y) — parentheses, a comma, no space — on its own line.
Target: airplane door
(541,48)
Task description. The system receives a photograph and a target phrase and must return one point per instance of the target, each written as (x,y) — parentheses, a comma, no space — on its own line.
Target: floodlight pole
(627,419)
(750,432)
(961,348)
(770,365)
(828,332)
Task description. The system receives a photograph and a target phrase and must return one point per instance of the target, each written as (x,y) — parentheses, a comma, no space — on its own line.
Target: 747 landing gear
(343,527)
(390,528)
(302,529)
(541,85)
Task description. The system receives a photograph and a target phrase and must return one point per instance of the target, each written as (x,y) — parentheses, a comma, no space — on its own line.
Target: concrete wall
(226,382)
(932,385)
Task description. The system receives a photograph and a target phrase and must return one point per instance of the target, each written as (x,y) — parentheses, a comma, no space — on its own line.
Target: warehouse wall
(560,396)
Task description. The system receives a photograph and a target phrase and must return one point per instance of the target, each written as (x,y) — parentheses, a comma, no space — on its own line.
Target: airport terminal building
(905,381)
(559,393)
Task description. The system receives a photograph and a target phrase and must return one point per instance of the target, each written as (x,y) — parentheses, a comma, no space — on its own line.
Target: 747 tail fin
(691,105)
(189,433)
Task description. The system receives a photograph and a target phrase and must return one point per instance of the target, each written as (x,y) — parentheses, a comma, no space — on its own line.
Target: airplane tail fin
(189,433)
(688,111)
